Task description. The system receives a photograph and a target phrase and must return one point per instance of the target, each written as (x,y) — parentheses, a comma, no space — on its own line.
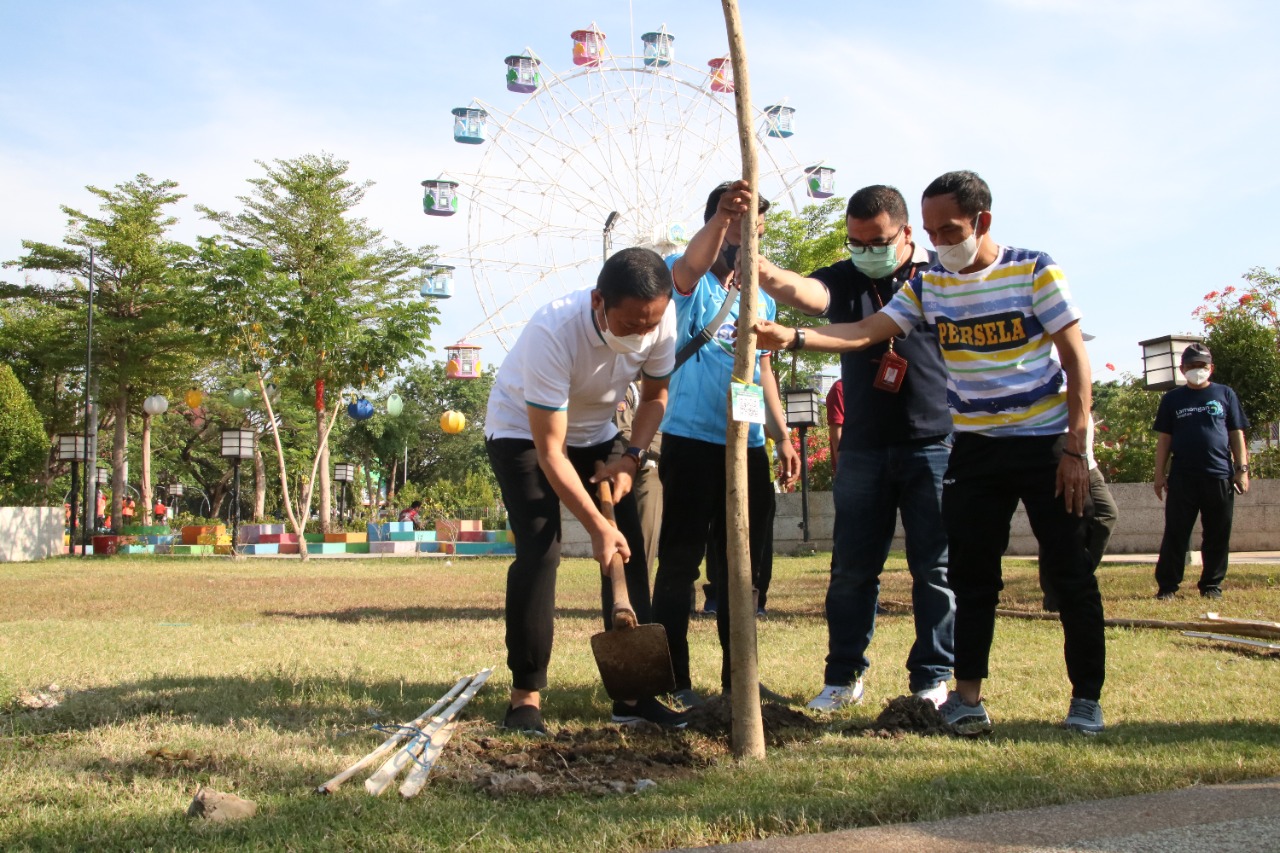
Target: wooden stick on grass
(384,775)
(418,774)
(1240,627)
(390,743)
(1240,641)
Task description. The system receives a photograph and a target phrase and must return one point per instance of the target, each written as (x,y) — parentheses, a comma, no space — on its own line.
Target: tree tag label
(748,402)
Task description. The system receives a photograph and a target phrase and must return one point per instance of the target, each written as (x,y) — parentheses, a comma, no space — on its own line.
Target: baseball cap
(1196,354)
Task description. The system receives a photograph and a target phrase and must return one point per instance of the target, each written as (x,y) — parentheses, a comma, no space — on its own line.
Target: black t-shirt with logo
(918,412)
(1200,421)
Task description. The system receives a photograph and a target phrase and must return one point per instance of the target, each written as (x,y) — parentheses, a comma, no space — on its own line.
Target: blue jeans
(872,486)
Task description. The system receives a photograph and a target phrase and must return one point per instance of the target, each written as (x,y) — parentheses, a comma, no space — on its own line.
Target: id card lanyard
(893,367)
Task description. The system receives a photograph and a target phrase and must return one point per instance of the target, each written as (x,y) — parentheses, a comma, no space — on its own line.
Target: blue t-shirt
(697,399)
(1200,422)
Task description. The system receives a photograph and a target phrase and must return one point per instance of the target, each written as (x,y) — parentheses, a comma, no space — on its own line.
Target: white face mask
(1198,375)
(959,255)
(622,344)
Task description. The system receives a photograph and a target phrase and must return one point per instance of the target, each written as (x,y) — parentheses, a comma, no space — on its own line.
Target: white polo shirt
(561,363)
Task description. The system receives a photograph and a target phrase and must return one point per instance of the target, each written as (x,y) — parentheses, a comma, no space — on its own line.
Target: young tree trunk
(322,475)
(747,738)
(119,454)
(259,485)
(145,474)
(391,489)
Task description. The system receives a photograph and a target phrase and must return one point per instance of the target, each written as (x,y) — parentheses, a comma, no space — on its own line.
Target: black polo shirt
(918,412)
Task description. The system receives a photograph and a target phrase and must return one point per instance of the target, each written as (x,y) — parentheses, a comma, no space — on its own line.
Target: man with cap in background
(1202,425)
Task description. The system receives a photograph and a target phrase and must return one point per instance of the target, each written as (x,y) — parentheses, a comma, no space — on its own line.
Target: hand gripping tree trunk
(748,725)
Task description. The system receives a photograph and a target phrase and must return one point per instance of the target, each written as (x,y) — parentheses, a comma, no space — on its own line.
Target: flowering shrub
(819,445)
(1242,330)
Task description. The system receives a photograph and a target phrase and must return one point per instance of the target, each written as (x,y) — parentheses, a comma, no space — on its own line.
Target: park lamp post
(1161,358)
(802,413)
(175,491)
(343,472)
(237,444)
(71,448)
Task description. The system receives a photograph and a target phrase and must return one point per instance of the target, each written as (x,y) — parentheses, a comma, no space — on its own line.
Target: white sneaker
(937,694)
(835,696)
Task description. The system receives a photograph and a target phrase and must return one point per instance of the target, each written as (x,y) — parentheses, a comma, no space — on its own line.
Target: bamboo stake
(422,768)
(1240,641)
(390,743)
(1257,623)
(748,724)
(384,775)
(1259,629)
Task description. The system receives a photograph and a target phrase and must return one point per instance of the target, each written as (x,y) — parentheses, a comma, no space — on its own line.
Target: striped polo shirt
(994,329)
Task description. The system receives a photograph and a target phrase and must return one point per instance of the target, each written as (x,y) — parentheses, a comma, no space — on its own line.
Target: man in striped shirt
(1021,420)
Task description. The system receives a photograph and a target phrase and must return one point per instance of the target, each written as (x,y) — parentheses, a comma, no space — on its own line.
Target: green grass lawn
(271,673)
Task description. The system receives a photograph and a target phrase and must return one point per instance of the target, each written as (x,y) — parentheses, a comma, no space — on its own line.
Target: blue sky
(1132,139)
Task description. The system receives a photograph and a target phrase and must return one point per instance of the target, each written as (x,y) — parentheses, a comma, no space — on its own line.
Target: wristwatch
(639,454)
(1242,469)
(797,343)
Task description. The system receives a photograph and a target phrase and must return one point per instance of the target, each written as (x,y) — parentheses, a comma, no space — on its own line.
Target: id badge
(747,402)
(893,369)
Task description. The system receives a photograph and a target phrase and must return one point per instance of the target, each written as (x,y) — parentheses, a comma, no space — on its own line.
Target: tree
(1124,443)
(803,243)
(1243,333)
(433,454)
(23,442)
(305,294)
(142,332)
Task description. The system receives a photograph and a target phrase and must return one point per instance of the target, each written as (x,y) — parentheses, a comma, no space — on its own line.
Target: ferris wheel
(617,149)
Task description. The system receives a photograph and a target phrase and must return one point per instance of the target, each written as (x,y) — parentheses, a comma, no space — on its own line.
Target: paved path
(1237,818)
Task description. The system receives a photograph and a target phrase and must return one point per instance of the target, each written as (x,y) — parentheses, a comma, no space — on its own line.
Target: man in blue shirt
(1202,425)
(692,467)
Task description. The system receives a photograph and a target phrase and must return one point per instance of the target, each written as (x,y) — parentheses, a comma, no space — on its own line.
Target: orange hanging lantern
(453,422)
(194,398)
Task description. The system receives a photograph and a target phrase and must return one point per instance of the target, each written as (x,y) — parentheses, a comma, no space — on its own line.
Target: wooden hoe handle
(624,616)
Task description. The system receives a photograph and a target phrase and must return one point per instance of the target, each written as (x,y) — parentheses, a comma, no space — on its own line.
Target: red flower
(1104,427)
(1228,290)
(1246,299)
(1212,294)
(1110,366)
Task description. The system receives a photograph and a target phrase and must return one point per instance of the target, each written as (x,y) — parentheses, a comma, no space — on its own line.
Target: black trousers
(693,514)
(1103,521)
(985,480)
(761,578)
(534,512)
(1214,500)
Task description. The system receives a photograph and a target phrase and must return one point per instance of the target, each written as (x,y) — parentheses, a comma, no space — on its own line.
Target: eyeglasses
(874,248)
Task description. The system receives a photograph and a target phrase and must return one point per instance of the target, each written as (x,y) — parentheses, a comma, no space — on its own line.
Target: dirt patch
(605,760)
(905,715)
(782,723)
(595,761)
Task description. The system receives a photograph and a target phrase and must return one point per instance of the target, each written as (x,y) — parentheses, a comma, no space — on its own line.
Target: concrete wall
(1138,531)
(30,533)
